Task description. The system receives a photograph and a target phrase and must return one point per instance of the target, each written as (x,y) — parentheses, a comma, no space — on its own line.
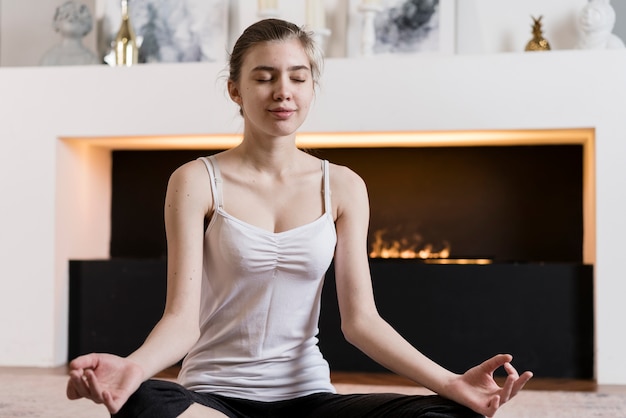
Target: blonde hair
(269,30)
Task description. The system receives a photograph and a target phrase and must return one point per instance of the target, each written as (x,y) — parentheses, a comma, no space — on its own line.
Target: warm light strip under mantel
(354,139)
(573,136)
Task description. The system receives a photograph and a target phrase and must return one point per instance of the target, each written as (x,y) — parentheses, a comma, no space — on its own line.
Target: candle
(268,5)
(315,14)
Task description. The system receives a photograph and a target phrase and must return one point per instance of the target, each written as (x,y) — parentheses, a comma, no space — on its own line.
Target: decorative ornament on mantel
(538,42)
(267,9)
(369,9)
(73,21)
(126,49)
(595,24)
(316,22)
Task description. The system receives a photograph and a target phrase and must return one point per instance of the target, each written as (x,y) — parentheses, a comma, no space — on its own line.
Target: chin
(285,131)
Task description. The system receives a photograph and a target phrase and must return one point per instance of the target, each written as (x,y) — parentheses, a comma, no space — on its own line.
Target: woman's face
(275,90)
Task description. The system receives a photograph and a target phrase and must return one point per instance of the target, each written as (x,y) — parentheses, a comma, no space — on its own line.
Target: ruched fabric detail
(260,306)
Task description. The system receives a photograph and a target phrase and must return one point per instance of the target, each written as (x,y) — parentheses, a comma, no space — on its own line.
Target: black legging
(164,399)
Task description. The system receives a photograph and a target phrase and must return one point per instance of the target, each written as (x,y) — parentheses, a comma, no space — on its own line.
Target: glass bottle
(126,51)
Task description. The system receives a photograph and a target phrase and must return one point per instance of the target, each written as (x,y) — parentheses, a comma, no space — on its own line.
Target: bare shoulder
(344,180)
(189,174)
(191,183)
(191,171)
(348,189)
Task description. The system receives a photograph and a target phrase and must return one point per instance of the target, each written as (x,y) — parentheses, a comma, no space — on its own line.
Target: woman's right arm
(110,379)
(187,201)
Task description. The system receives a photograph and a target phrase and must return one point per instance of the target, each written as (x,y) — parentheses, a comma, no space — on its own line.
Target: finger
(111,405)
(70,390)
(496,361)
(521,382)
(509,384)
(94,386)
(87,361)
(80,388)
(512,383)
(492,406)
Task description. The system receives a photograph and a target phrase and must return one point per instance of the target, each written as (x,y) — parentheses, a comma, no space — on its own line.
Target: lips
(282,113)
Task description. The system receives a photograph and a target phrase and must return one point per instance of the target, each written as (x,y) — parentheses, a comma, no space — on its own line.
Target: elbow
(357,327)
(349,333)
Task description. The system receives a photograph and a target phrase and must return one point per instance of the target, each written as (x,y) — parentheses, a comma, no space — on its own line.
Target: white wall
(55,193)
(53,208)
(483,26)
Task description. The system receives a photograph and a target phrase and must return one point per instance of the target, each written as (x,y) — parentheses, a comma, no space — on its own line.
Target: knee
(445,408)
(155,399)
(137,403)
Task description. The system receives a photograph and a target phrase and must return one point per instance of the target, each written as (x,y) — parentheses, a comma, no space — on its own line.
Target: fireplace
(516,207)
(516,202)
(456,314)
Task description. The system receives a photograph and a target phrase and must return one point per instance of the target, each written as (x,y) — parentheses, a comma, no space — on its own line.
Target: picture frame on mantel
(171,30)
(403,27)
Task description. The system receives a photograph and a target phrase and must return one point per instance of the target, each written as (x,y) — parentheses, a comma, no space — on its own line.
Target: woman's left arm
(363,327)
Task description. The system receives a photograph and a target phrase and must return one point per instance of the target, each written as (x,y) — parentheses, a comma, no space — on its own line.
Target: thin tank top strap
(327,192)
(216,179)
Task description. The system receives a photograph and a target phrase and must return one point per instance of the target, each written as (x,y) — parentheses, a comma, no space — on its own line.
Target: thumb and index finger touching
(87,361)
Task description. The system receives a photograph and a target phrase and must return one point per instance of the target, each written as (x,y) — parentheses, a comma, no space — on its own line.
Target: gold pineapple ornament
(538,42)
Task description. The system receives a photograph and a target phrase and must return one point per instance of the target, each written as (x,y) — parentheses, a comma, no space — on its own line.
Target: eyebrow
(270,68)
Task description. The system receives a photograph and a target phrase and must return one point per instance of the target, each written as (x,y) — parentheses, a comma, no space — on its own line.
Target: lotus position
(243,295)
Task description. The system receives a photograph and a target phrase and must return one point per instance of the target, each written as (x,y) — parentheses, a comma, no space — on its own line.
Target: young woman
(244,293)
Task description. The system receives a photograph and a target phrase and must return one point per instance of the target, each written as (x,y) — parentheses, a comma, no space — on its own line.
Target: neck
(273,155)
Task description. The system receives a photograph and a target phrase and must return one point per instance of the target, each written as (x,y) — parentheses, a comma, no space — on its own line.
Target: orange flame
(405,248)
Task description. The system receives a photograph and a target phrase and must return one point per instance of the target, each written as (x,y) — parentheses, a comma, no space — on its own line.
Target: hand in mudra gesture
(104,378)
(477,388)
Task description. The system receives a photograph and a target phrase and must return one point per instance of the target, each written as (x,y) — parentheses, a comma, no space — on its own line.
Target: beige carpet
(35,396)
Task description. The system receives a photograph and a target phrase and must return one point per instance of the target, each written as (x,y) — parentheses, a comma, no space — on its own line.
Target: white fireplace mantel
(56,188)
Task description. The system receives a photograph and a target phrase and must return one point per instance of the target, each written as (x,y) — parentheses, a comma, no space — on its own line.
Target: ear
(233,92)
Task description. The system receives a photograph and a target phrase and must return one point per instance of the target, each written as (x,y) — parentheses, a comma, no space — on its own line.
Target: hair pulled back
(272,30)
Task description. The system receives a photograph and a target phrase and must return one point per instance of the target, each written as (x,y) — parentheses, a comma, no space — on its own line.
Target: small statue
(73,21)
(538,42)
(596,22)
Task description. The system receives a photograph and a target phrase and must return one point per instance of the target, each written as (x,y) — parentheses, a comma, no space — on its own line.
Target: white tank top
(260,306)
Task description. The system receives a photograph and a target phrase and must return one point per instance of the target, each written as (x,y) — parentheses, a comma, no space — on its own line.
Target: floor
(387,379)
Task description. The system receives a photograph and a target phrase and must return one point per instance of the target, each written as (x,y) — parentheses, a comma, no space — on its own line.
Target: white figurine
(73,21)
(596,22)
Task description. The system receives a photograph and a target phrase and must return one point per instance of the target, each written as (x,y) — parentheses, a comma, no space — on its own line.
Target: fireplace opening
(518,209)
(494,203)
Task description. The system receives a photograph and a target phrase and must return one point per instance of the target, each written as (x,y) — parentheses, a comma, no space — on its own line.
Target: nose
(282,90)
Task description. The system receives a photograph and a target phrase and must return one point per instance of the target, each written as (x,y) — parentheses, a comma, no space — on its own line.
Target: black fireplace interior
(506,203)
(518,206)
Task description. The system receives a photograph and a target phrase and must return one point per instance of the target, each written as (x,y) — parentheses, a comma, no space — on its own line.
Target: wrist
(448,384)
(137,367)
